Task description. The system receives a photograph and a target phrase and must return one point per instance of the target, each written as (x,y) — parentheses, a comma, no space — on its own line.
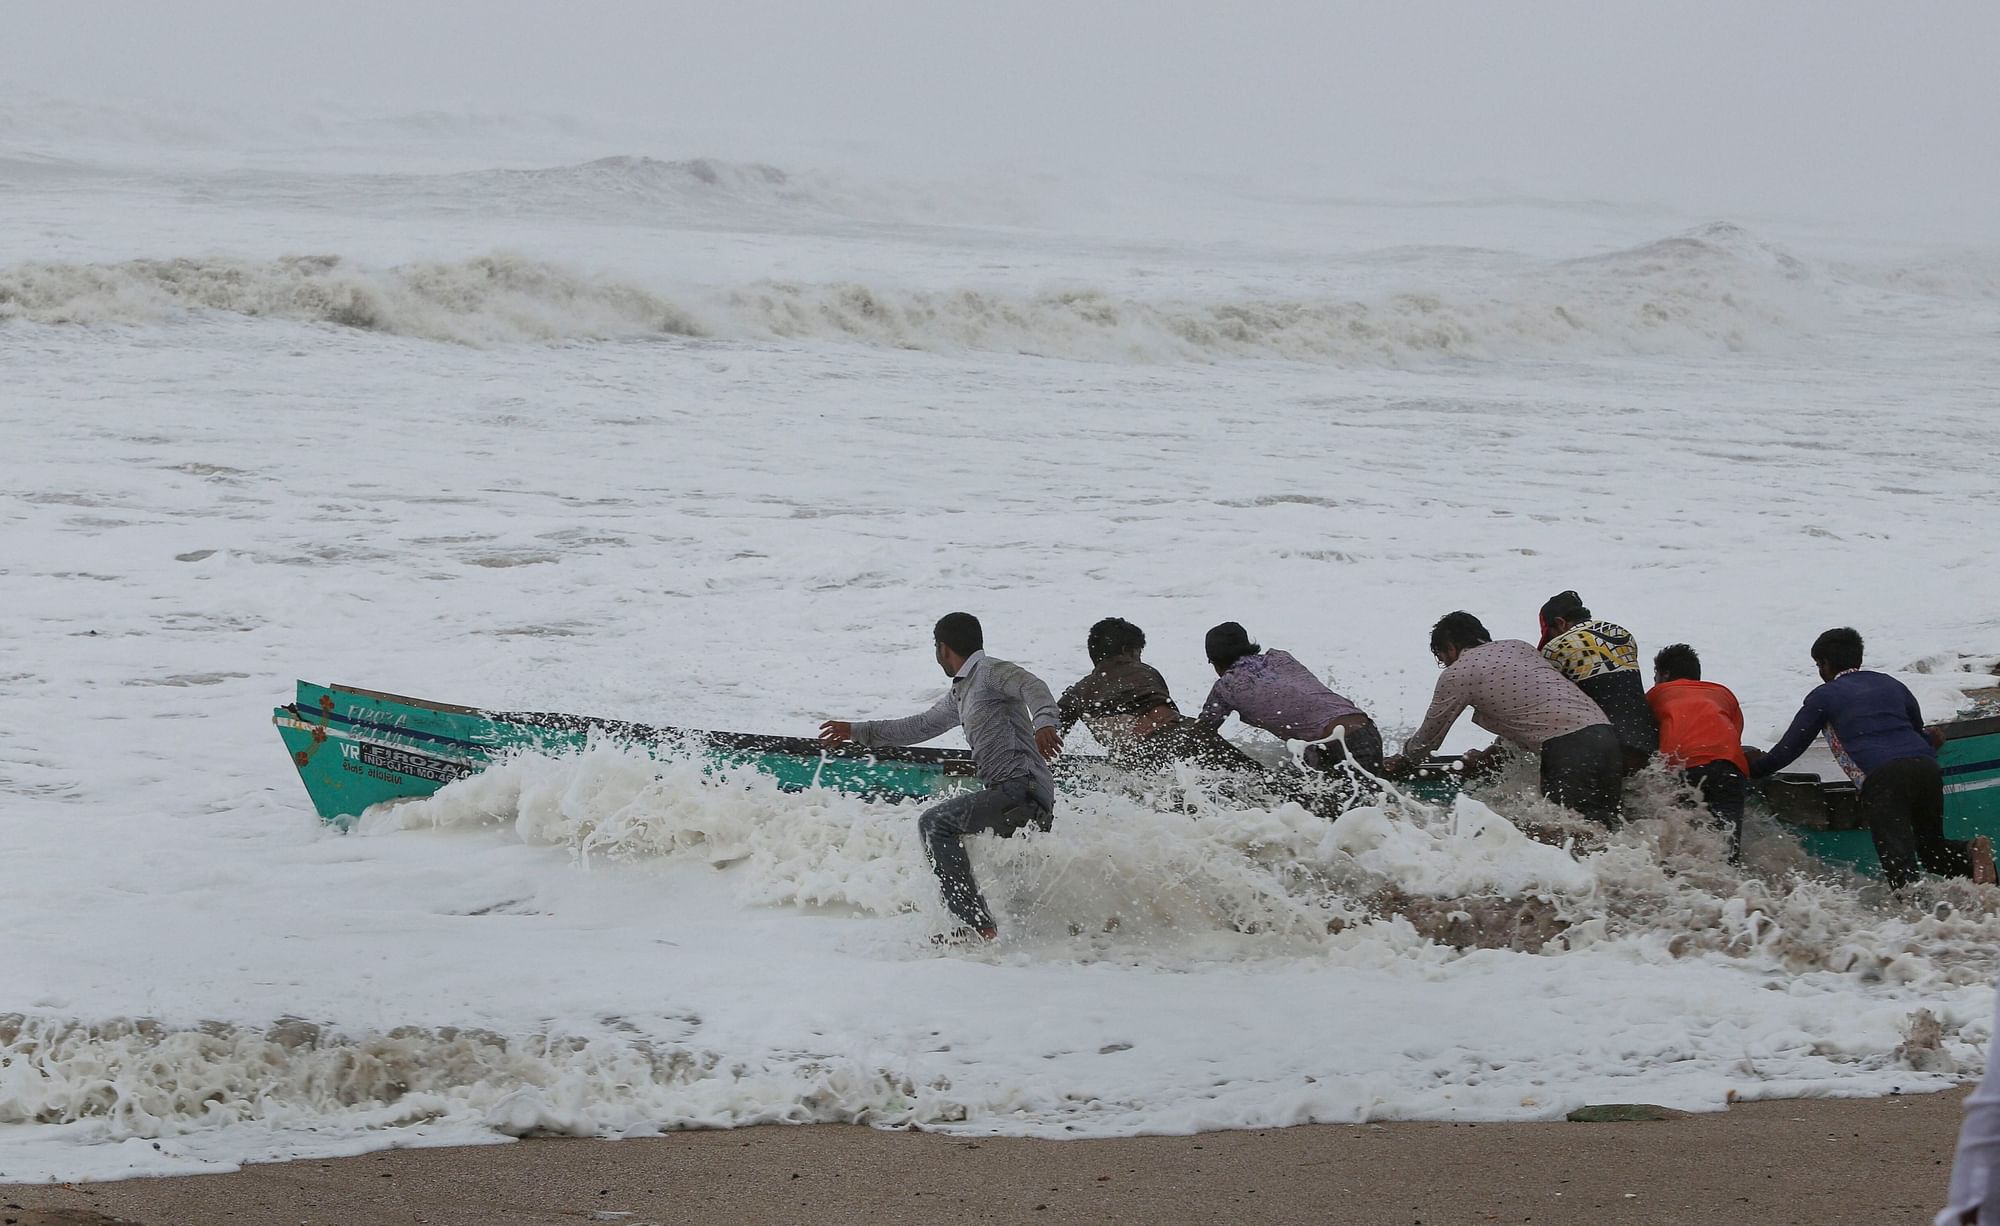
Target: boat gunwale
(1963,729)
(950,761)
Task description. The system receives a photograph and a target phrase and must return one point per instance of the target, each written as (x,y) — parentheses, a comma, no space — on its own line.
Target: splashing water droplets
(1121,876)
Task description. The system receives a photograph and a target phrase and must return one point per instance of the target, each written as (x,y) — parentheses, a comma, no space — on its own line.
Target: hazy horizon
(1813,108)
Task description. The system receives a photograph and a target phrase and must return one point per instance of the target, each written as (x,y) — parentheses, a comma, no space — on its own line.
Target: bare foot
(1982,861)
(966,935)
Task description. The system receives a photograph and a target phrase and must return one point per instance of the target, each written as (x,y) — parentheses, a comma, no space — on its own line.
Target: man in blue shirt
(1876,732)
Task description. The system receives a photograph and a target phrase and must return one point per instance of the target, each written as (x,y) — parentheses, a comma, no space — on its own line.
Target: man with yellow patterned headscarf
(1603,660)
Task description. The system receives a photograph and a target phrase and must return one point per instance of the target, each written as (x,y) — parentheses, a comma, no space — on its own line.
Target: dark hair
(1838,649)
(1677,662)
(1461,630)
(1113,637)
(960,632)
(1566,605)
(1228,643)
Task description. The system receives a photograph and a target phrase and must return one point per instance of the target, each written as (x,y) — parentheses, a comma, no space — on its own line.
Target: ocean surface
(502,411)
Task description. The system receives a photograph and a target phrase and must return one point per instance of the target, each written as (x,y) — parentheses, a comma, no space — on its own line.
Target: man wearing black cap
(1603,660)
(1010,722)
(1273,691)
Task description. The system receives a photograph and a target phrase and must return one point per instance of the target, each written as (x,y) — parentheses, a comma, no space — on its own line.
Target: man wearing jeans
(1010,722)
(1876,732)
(1603,660)
(1701,736)
(1517,694)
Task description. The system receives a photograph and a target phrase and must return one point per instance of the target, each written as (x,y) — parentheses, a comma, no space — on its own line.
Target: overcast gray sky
(1736,102)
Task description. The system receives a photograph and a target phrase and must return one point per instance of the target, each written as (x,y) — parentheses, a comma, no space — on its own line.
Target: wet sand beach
(1829,1162)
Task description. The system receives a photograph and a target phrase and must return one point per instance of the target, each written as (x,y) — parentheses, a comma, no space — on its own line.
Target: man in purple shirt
(1877,734)
(1273,691)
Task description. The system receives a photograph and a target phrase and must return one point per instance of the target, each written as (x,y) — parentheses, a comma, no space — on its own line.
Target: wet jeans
(1721,787)
(1585,771)
(1363,743)
(1904,801)
(1001,809)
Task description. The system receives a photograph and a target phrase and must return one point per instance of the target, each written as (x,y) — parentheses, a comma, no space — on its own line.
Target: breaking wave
(690,192)
(1190,874)
(148,1079)
(1717,252)
(1709,292)
(491,300)
(626,183)
(1961,276)
(1398,330)
(1195,878)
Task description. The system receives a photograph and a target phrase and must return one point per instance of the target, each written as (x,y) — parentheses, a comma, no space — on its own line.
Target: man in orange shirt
(1701,735)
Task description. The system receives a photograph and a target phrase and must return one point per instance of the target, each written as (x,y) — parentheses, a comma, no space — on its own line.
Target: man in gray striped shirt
(1010,722)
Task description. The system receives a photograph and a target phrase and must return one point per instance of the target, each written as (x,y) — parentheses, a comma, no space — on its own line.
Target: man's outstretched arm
(910,730)
(1806,725)
(1448,702)
(1216,708)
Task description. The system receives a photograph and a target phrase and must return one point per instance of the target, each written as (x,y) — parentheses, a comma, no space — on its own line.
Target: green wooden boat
(356,748)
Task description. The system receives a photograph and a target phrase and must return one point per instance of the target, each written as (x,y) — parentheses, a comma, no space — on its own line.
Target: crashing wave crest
(1197,878)
(487,300)
(1709,292)
(1201,878)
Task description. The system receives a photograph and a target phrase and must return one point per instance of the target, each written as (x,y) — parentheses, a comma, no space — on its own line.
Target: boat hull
(358,748)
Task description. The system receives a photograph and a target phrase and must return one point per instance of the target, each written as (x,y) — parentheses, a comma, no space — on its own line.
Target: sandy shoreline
(1829,1162)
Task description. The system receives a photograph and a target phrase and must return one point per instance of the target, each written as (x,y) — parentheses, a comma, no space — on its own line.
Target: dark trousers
(1363,744)
(1000,808)
(1722,787)
(1904,801)
(1585,771)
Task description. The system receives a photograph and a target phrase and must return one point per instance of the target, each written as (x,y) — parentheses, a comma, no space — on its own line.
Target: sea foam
(1121,884)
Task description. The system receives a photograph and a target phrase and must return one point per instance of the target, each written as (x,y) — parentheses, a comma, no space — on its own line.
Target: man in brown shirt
(1125,704)
(1519,695)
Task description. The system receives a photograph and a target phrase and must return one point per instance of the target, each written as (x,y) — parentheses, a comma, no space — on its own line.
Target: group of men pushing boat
(1577,699)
